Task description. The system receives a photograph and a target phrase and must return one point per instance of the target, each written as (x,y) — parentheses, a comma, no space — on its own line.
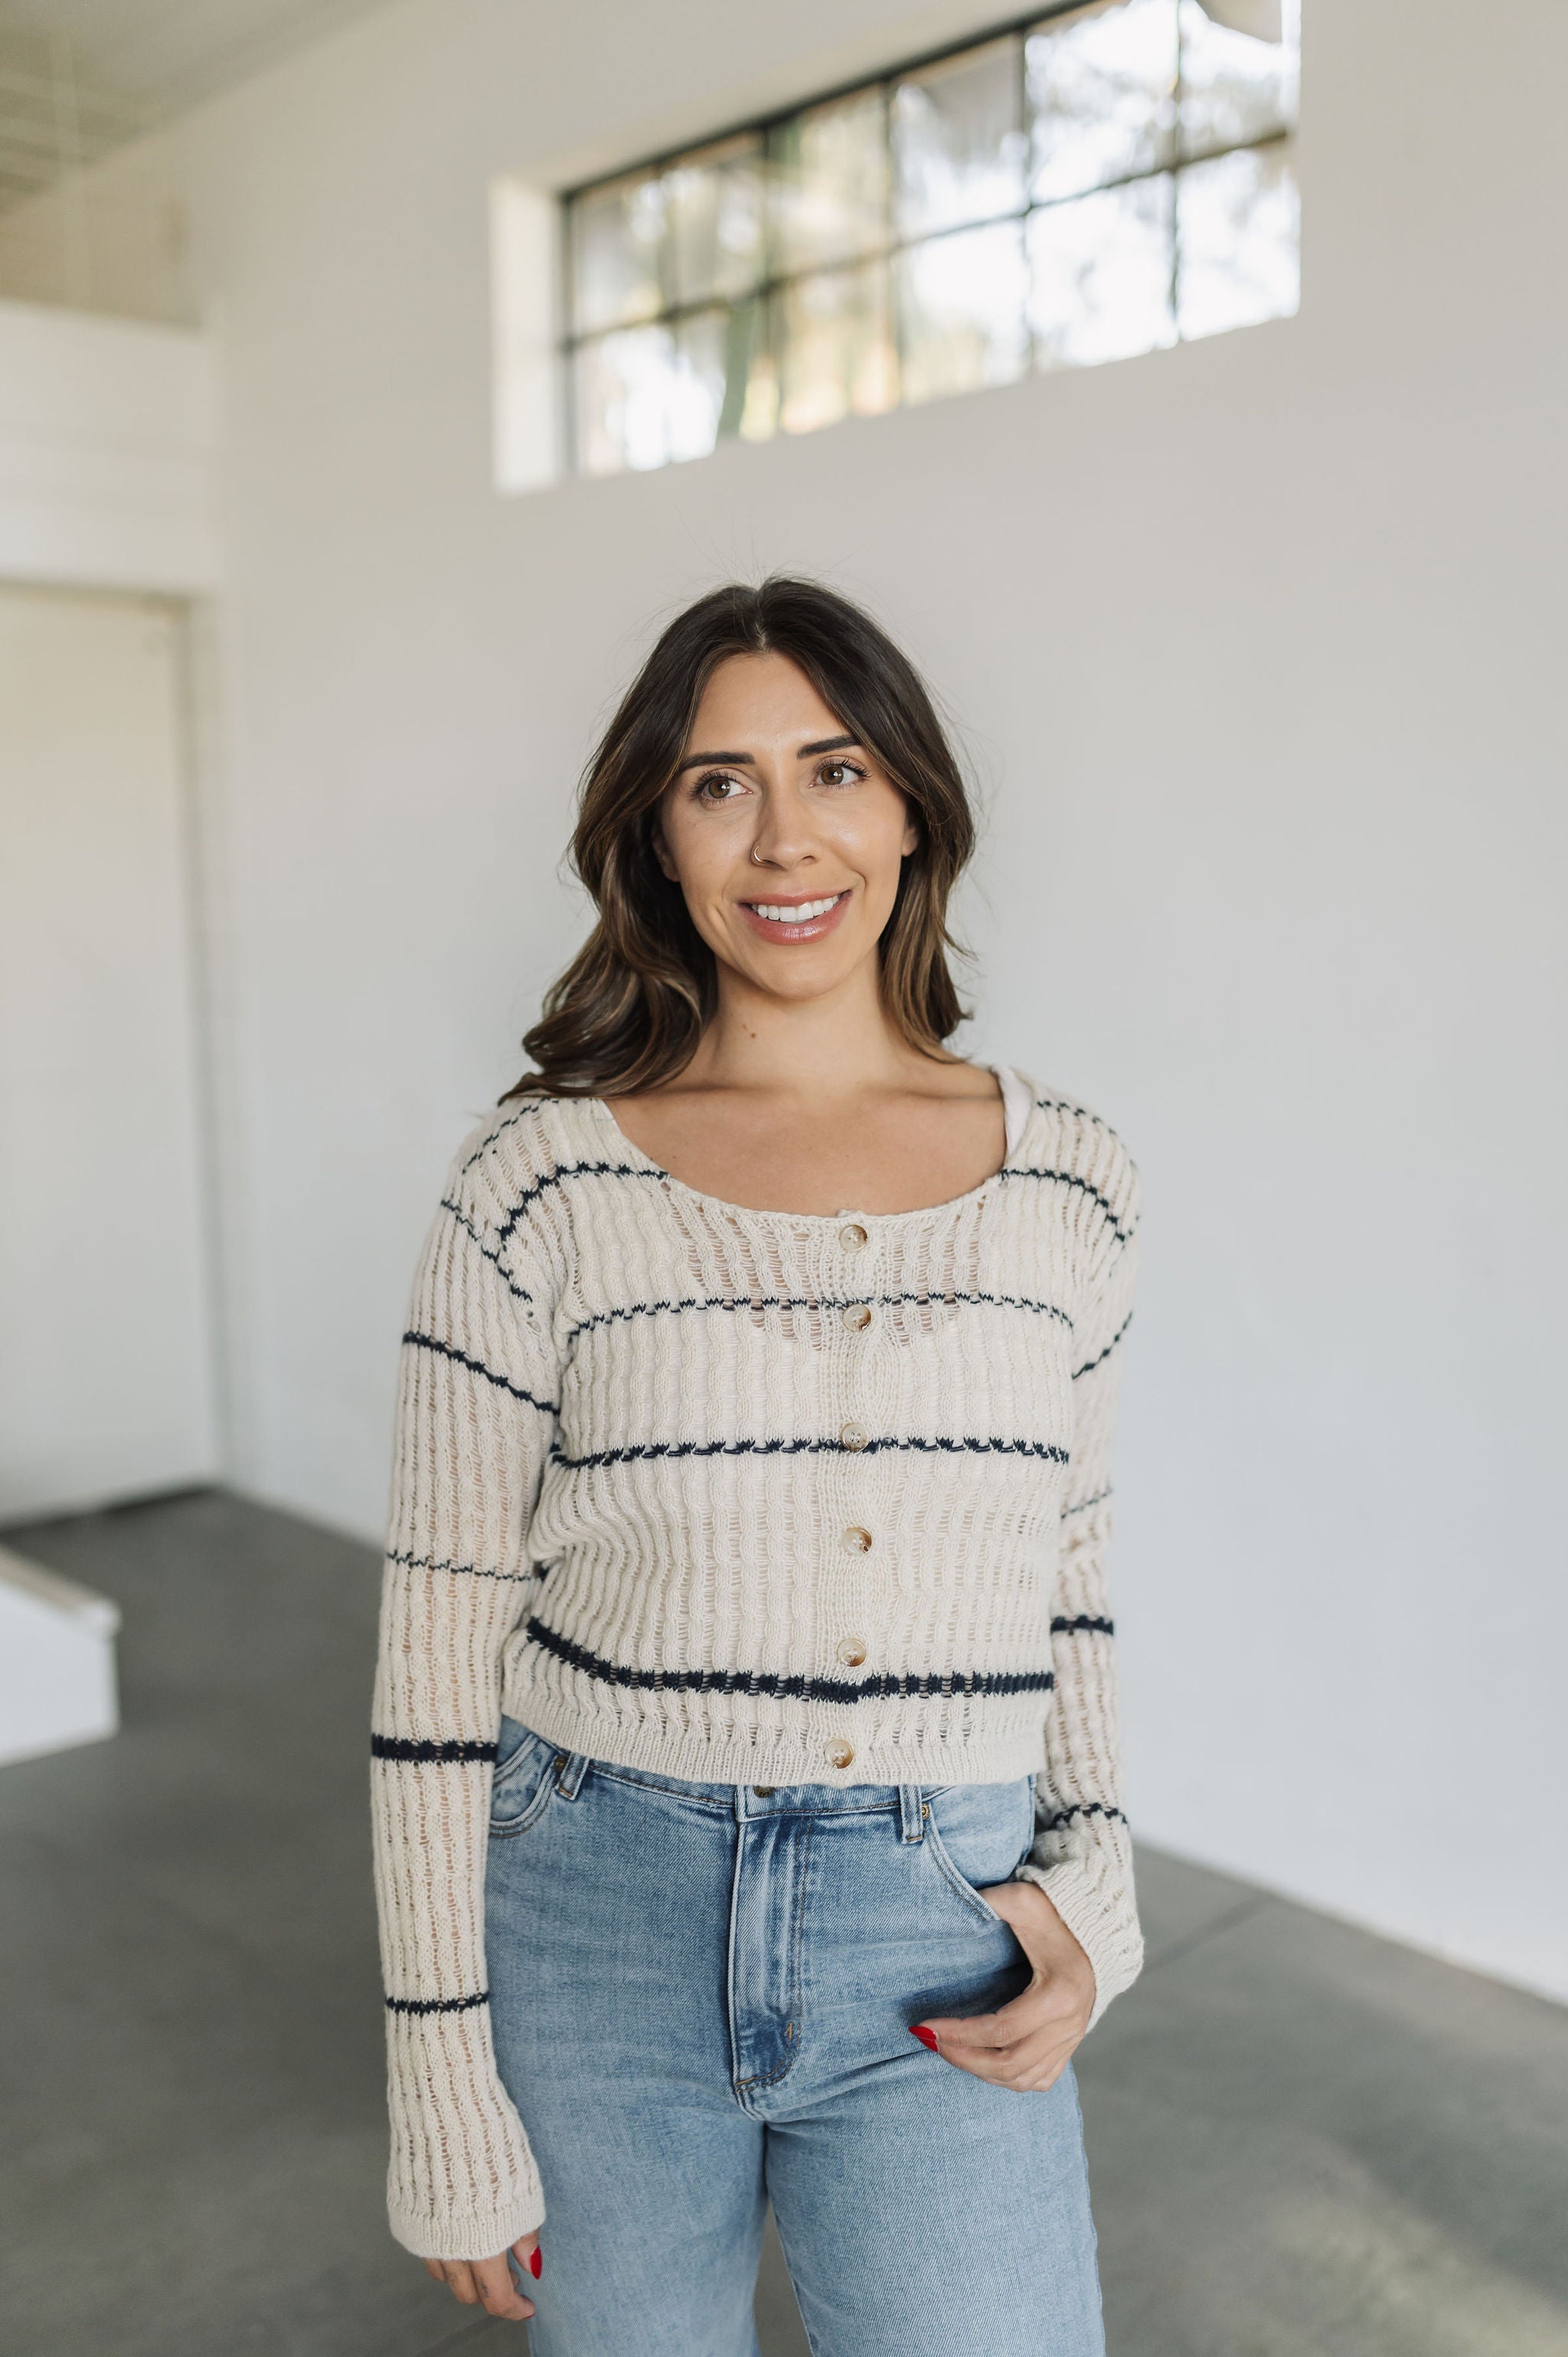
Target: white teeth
(800,914)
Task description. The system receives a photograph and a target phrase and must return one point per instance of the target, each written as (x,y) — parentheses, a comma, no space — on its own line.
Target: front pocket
(523,1781)
(978,1835)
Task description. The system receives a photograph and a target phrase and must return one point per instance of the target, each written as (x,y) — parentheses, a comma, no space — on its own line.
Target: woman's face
(783,832)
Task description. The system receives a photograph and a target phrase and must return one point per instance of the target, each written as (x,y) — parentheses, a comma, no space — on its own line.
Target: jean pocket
(978,1835)
(523,1780)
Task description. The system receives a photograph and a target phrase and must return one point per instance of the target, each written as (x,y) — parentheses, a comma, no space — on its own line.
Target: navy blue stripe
(1084,1504)
(528,1106)
(461,1359)
(520,1292)
(452,1753)
(793,1688)
(644,1451)
(788,1301)
(1090,1364)
(1070,1179)
(1080,1808)
(438,2004)
(1062,1627)
(559,1177)
(471,1570)
(1066,1104)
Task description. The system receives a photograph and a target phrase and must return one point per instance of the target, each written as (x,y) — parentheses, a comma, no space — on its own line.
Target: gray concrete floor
(1305,2142)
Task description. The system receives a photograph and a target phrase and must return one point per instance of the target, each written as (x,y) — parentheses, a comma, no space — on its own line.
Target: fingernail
(926,2036)
(534,2263)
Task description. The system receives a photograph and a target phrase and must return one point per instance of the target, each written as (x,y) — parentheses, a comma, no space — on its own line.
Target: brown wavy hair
(629,1010)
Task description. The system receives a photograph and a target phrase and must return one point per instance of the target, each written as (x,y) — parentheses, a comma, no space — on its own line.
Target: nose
(783,838)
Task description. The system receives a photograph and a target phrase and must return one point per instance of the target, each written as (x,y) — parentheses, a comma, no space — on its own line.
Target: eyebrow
(822,745)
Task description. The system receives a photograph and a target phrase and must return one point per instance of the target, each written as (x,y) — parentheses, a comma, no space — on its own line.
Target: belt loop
(911,1812)
(569,1775)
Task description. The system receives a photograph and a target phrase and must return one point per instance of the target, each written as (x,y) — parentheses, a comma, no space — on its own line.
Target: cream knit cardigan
(741,1497)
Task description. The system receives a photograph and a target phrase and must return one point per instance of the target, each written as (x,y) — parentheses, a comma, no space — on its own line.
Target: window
(1100,180)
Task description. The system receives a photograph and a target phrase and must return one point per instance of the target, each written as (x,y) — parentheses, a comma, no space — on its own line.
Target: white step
(57,1662)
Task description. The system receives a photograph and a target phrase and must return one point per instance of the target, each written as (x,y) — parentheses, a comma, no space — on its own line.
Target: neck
(837,1044)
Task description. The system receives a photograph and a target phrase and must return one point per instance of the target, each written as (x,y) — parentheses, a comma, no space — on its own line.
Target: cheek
(704,865)
(873,840)
(689,851)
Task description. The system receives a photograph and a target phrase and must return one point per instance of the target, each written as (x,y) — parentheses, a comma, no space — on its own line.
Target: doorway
(106,1379)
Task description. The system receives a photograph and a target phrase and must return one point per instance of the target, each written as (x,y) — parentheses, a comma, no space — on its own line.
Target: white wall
(108,452)
(1255,643)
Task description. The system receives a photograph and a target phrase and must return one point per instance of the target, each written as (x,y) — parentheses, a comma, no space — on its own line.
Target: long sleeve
(1083,1853)
(476,1413)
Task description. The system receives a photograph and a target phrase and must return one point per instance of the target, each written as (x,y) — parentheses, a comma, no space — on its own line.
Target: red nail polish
(534,2263)
(926,2036)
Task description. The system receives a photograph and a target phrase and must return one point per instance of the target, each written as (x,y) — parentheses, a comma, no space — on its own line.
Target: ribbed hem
(793,1753)
(470,2236)
(1109,1935)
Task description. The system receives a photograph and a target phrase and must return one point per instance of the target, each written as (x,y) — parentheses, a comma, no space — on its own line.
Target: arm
(1084,1945)
(1082,1854)
(475,1416)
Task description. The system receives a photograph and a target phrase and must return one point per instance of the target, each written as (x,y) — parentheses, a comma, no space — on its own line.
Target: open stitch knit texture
(663,1466)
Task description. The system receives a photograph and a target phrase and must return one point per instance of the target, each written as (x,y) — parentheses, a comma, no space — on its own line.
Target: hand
(1026,2044)
(488,2283)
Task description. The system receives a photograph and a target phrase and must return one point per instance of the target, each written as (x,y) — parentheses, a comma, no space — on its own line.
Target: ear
(911,837)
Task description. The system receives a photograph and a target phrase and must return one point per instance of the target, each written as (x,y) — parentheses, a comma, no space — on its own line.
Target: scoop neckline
(816,1219)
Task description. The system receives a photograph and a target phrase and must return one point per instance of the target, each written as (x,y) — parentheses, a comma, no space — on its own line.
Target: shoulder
(1065,1143)
(519,1155)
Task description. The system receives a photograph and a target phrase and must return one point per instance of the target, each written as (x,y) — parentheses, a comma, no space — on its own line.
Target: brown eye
(839,774)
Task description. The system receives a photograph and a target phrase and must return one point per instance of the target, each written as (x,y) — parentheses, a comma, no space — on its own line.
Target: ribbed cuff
(471,2236)
(1108,1934)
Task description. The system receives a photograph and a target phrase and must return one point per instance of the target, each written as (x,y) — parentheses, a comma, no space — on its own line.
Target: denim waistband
(745,1802)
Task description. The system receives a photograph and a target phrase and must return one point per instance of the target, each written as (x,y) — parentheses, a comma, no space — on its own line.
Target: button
(764,1791)
(853,1236)
(854,1436)
(857,1538)
(852,1651)
(857,1316)
(838,1753)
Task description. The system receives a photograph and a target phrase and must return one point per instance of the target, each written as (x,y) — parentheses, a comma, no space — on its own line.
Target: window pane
(719,357)
(617,241)
(622,383)
(714,203)
(1238,241)
(1236,85)
(958,141)
(1102,276)
(961,306)
(645,395)
(1102,94)
(827,174)
(835,348)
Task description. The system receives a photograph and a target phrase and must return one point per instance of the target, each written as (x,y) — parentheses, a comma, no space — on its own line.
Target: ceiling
(158,56)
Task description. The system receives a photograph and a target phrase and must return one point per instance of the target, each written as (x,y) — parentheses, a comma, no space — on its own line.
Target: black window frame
(770,283)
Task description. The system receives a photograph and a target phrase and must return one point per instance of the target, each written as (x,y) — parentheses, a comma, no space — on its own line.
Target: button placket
(857,1318)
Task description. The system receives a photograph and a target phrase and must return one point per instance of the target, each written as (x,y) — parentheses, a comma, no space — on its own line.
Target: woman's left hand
(1028,2044)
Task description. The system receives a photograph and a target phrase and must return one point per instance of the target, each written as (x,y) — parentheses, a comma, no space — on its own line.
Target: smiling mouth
(795,912)
(795,920)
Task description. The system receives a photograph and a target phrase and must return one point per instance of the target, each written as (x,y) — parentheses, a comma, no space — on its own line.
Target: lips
(803,919)
(793,912)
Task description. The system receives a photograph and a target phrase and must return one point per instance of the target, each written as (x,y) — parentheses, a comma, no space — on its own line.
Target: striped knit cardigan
(742,1497)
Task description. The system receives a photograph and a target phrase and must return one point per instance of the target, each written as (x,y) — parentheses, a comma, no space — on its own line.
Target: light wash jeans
(702,1996)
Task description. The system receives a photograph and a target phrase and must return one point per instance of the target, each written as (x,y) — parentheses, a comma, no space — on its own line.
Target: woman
(747,1782)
